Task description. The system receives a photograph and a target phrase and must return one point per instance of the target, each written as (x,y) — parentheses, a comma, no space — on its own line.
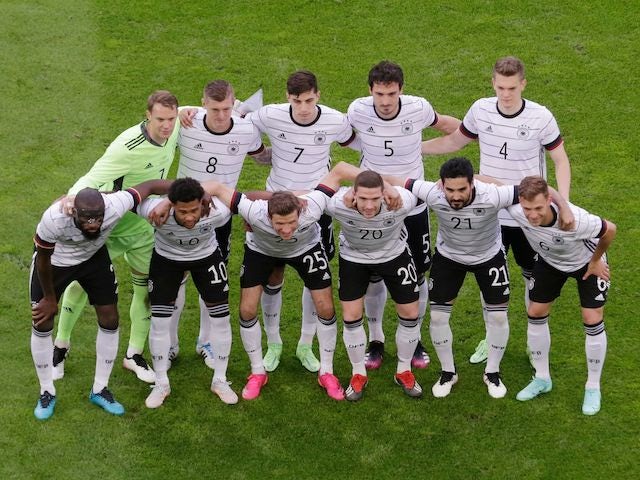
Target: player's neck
(511,111)
(217,129)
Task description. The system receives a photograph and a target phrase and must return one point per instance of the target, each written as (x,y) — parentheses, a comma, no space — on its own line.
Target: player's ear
(202,101)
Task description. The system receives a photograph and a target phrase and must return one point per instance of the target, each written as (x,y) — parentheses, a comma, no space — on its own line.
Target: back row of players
(378,223)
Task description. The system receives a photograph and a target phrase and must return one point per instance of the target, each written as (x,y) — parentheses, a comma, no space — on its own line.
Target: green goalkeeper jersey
(132,158)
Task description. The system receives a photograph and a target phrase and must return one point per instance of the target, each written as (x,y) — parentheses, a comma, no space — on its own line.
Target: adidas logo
(226,288)
(326,276)
(488,129)
(371,130)
(600,298)
(198,146)
(149,165)
(282,136)
(417,289)
(506,291)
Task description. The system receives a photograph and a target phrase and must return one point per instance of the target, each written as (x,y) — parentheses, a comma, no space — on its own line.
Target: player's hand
(67,204)
(349,199)
(186,116)
(44,310)
(159,215)
(599,268)
(247,227)
(391,197)
(207,204)
(566,220)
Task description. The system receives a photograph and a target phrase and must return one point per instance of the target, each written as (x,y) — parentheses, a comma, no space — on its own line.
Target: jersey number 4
(503,150)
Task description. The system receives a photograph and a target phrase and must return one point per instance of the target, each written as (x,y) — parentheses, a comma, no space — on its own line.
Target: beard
(91,235)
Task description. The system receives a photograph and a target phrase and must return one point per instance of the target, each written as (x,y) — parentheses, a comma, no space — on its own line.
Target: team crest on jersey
(150,285)
(532,282)
(320,138)
(205,228)
(523,132)
(388,221)
(557,239)
(303,229)
(430,283)
(478,212)
(407,127)
(351,222)
(242,270)
(233,148)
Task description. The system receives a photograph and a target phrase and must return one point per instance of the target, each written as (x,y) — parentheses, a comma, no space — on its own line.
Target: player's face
(161,121)
(89,225)
(457,191)
(538,210)
(509,92)
(218,113)
(368,201)
(304,106)
(386,98)
(285,225)
(187,214)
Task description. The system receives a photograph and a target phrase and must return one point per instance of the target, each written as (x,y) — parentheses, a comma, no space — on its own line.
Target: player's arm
(47,307)
(263,156)
(446,144)
(153,187)
(597,266)
(566,219)
(341,172)
(563,169)
(446,124)
(224,193)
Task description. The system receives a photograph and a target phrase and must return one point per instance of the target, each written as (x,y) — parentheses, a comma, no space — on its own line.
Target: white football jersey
(300,153)
(175,242)
(511,146)
(471,235)
(264,239)
(566,251)
(371,240)
(58,230)
(207,155)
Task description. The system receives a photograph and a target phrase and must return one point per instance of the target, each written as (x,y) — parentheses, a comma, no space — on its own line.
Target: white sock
(423,301)
(159,343)
(539,343)
(42,354)
(355,340)
(374,302)
(220,326)
(106,352)
(271,302)
(251,336)
(407,336)
(441,335)
(327,338)
(595,347)
(309,318)
(177,312)
(497,336)
(204,334)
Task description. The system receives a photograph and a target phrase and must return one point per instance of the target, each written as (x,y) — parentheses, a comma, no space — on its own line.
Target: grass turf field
(77,73)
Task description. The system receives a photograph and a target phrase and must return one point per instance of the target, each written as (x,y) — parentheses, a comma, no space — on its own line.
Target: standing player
(68,248)
(187,243)
(283,232)
(389,128)
(579,254)
(142,152)
(513,135)
(213,144)
(301,133)
(373,242)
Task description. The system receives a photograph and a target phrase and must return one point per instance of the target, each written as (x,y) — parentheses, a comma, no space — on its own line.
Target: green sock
(73,301)
(140,314)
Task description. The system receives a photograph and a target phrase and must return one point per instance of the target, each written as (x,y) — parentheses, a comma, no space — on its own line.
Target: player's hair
(185,189)
(455,168)
(532,186)
(283,203)
(386,72)
(368,179)
(302,81)
(164,98)
(218,90)
(508,67)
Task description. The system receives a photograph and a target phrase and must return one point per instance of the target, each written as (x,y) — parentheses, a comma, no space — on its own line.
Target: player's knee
(108,318)
(497,315)
(44,326)
(440,314)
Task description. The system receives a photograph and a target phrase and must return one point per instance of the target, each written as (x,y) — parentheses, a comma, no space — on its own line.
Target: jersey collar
(305,124)
(513,115)
(204,122)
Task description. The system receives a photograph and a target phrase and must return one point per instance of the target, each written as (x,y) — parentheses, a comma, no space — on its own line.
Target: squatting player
(578,254)
(72,248)
(389,128)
